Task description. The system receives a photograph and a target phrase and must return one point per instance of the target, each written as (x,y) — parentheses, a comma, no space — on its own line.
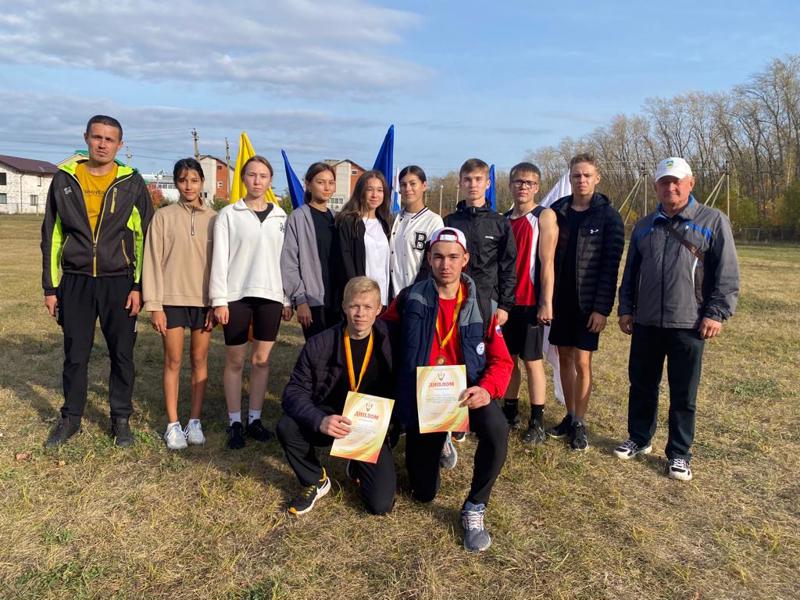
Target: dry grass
(92,521)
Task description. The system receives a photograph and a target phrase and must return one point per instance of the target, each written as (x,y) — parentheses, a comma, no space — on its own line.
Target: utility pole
(441,190)
(196,139)
(228,169)
(644,177)
(728,188)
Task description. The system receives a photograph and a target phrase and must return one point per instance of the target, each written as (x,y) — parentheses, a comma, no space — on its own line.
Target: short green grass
(93,521)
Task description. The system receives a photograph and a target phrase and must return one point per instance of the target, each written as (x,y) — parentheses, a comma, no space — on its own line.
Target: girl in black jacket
(364,222)
(590,242)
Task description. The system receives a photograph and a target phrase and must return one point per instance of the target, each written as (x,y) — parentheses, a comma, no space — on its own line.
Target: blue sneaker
(476,538)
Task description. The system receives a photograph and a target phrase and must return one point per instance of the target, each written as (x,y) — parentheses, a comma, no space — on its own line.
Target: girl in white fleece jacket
(246,287)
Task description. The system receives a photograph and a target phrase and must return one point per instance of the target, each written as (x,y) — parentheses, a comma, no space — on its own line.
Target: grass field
(94,521)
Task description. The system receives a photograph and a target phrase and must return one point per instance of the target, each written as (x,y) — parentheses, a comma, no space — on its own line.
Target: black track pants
(378,482)
(81,300)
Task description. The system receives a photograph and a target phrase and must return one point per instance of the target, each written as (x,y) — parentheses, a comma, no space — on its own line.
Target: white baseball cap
(674,166)
(449,234)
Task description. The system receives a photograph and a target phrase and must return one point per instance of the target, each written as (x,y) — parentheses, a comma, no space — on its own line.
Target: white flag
(560,189)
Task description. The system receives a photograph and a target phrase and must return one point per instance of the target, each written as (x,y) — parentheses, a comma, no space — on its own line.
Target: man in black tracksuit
(490,243)
(95,220)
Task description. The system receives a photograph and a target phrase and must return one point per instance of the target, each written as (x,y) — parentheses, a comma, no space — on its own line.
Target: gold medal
(440,360)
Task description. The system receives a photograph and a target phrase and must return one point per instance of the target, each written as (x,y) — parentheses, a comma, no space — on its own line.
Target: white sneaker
(629,449)
(194,433)
(174,436)
(449,456)
(679,469)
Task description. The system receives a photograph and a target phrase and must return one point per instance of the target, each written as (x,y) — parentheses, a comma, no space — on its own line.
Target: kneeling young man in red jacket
(441,324)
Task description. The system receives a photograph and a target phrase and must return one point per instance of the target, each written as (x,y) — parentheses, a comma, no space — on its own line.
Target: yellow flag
(246,152)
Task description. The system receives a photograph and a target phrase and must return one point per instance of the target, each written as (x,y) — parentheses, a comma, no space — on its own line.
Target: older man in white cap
(680,284)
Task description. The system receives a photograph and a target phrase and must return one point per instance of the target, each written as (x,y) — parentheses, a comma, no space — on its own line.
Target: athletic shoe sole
(480,548)
(461,439)
(679,476)
(320,493)
(625,455)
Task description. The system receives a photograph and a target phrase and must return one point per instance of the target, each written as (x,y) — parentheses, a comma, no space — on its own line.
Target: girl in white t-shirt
(363,227)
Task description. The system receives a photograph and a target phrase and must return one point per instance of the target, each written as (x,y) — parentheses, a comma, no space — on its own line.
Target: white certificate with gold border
(438,391)
(369,421)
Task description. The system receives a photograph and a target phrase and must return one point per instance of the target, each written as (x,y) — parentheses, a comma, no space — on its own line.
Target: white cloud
(43,125)
(281,46)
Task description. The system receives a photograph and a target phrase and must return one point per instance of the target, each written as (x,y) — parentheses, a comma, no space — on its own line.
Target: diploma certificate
(369,421)
(438,390)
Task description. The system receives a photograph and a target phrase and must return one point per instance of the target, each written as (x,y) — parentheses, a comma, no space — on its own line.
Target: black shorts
(193,317)
(264,314)
(569,329)
(523,334)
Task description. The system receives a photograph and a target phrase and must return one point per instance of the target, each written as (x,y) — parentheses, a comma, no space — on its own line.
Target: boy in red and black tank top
(536,233)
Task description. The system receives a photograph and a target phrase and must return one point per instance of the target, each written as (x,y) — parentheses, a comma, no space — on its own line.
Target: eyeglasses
(525,183)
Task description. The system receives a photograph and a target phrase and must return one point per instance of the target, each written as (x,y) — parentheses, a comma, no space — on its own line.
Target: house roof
(219,160)
(29,165)
(334,162)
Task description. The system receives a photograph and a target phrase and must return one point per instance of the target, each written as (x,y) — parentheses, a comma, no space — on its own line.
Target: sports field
(94,521)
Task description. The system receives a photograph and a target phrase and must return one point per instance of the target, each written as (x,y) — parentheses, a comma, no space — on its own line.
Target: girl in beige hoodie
(175,279)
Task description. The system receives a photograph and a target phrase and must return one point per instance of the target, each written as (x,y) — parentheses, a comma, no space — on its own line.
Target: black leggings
(423,451)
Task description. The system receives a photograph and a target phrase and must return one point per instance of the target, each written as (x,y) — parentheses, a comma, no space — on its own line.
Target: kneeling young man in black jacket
(590,241)
(351,356)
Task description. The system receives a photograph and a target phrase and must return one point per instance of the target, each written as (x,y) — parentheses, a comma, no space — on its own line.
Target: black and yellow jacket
(115,247)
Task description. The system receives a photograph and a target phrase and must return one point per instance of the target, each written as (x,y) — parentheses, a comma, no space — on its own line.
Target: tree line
(750,133)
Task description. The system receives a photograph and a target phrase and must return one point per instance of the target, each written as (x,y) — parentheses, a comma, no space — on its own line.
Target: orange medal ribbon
(348,354)
(443,342)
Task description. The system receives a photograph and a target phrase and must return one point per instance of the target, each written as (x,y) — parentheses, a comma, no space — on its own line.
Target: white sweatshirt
(246,257)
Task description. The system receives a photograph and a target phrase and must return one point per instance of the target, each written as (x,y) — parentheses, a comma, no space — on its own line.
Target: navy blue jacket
(418,306)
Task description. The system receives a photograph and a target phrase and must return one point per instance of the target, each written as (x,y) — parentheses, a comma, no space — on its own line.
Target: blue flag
(295,187)
(384,163)
(491,193)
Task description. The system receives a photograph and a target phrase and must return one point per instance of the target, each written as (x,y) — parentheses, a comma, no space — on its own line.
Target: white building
(218,177)
(347,173)
(23,184)
(164,182)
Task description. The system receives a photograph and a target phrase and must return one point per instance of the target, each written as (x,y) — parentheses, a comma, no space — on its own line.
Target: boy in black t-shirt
(352,356)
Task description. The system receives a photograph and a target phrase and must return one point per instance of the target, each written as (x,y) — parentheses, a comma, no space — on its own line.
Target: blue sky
(493,80)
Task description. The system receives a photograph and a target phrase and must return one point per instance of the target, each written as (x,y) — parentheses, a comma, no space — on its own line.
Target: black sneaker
(305,501)
(561,430)
(236,436)
(578,440)
(511,411)
(121,432)
(258,432)
(535,434)
(64,429)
